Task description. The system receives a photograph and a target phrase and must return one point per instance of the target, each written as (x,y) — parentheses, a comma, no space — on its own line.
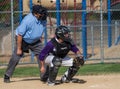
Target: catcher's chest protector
(60,49)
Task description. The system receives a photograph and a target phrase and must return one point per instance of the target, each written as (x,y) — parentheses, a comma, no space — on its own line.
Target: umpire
(28,37)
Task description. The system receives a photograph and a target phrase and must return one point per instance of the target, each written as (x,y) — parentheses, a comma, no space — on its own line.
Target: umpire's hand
(19,51)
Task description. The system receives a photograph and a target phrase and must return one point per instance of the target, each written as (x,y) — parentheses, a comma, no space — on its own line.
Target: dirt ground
(111,81)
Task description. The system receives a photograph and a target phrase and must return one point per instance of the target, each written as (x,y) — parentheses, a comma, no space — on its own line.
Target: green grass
(87,69)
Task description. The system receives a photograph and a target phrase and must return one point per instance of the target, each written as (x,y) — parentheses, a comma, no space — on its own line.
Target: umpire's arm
(19,45)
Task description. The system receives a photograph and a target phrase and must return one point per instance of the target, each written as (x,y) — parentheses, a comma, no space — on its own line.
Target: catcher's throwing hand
(42,69)
(79,61)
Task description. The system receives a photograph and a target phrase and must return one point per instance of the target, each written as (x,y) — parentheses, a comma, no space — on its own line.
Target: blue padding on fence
(84,32)
(58,12)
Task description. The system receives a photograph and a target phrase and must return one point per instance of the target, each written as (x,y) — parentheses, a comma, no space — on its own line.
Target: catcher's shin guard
(53,71)
(44,76)
(69,74)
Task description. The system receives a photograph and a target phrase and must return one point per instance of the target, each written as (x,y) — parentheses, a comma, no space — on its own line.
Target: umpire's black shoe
(6,79)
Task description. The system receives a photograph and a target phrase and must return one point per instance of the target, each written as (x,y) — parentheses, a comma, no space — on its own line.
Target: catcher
(54,55)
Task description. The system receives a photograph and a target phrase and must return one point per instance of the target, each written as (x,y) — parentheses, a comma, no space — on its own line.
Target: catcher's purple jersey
(50,47)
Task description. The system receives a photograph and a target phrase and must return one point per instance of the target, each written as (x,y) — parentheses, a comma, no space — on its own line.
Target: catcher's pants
(66,61)
(14,60)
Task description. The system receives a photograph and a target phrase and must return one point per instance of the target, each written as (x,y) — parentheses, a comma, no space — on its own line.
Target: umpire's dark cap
(39,9)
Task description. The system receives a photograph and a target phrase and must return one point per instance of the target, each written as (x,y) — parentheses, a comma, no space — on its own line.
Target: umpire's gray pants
(14,60)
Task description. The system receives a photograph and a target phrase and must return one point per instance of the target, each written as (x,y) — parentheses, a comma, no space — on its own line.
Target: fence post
(101,37)
(84,32)
(32,54)
(12,26)
(109,24)
(116,33)
(58,12)
(30,5)
(92,40)
(20,9)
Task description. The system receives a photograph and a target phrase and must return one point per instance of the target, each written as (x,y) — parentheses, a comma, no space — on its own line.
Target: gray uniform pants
(14,60)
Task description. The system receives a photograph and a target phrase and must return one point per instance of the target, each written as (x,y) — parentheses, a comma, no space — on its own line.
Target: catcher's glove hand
(79,61)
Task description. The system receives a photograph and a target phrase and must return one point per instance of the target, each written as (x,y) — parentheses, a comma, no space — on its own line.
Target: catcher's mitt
(79,61)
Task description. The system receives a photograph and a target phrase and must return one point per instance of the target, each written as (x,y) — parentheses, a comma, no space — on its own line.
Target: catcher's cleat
(73,80)
(6,79)
(76,80)
(57,82)
(51,84)
(64,80)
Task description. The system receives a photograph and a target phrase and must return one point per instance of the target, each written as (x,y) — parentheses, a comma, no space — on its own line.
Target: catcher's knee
(57,62)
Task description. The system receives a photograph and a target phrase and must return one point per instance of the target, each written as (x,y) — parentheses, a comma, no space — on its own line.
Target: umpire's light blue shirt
(31,29)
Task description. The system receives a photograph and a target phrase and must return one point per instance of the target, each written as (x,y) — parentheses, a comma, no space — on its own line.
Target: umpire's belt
(39,41)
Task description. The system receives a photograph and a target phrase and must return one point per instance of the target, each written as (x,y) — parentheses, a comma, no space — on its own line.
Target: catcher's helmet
(61,31)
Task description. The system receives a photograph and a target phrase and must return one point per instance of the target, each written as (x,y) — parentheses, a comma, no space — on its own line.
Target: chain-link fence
(102,25)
